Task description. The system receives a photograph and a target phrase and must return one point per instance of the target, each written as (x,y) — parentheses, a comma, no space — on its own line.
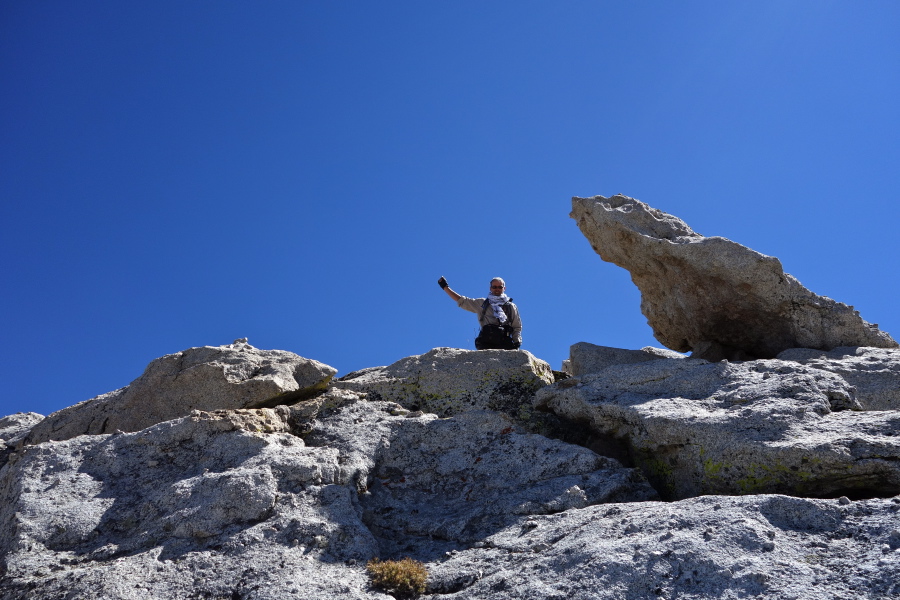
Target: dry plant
(402,578)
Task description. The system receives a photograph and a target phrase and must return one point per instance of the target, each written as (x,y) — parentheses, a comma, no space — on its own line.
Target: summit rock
(235,375)
(713,296)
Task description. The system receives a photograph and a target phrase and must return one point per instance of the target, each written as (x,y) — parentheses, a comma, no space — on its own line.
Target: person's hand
(517,345)
(442,282)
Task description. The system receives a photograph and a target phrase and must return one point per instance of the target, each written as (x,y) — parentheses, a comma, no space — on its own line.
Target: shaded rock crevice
(439,485)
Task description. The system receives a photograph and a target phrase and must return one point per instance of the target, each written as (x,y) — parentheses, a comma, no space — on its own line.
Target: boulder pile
(229,472)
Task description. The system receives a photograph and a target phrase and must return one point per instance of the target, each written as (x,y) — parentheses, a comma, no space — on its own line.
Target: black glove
(517,345)
(443,283)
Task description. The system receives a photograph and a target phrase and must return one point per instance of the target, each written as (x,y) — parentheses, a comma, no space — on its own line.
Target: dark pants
(494,337)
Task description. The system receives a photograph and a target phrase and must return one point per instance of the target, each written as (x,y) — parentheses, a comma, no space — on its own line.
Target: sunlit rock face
(449,381)
(232,472)
(587,358)
(765,426)
(874,372)
(292,499)
(235,375)
(710,295)
(13,429)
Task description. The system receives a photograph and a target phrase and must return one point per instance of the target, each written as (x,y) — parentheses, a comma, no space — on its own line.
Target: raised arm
(446,287)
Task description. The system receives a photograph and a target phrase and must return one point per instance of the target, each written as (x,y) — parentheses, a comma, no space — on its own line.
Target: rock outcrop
(449,381)
(208,378)
(13,429)
(235,473)
(236,504)
(874,372)
(765,426)
(587,358)
(705,548)
(710,295)
(292,500)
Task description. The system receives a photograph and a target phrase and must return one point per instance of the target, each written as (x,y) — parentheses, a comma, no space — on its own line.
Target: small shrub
(402,578)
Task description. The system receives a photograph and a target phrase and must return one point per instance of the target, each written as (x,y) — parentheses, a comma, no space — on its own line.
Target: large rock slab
(449,381)
(713,296)
(702,548)
(765,426)
(436,485)
(236,375)
(874,372)
(236,504)
(587,358)
(203,506)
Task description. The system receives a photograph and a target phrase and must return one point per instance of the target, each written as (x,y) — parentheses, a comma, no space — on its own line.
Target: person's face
(497,288)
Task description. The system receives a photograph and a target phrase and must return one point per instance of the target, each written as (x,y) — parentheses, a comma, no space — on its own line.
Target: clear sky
(184,173)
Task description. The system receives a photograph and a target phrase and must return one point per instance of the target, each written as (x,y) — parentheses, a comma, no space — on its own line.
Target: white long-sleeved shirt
(474,305)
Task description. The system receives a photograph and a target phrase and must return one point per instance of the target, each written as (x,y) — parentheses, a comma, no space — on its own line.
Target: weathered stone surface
(15,426)
(206,378)
(203,506)
(209,506)
(13,429)
(713,296)
(434,485)
(874,372)
(587,358)
(704,548)
(765,426)
(291,501)
(448,381)
(231,504)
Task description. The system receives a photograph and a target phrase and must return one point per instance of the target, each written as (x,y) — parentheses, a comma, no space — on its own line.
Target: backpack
(496,337)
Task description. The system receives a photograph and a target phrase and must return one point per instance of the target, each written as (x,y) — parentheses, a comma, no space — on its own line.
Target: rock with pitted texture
(766,426)
(449,381)
(13,429)
(710,295)
(711,547)
(235,504)
(290,502)
(874,372)
(236,375)
(587,358)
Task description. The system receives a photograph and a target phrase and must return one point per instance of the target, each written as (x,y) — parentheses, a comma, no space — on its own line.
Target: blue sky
(178,174)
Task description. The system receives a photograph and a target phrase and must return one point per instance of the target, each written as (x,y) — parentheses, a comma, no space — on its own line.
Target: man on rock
(501,327)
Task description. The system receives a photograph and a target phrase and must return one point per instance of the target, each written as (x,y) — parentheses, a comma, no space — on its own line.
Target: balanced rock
(874,372)
(207,378)
(448,381)
(587,358)
(226,503)
(713,296)
(765,426)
